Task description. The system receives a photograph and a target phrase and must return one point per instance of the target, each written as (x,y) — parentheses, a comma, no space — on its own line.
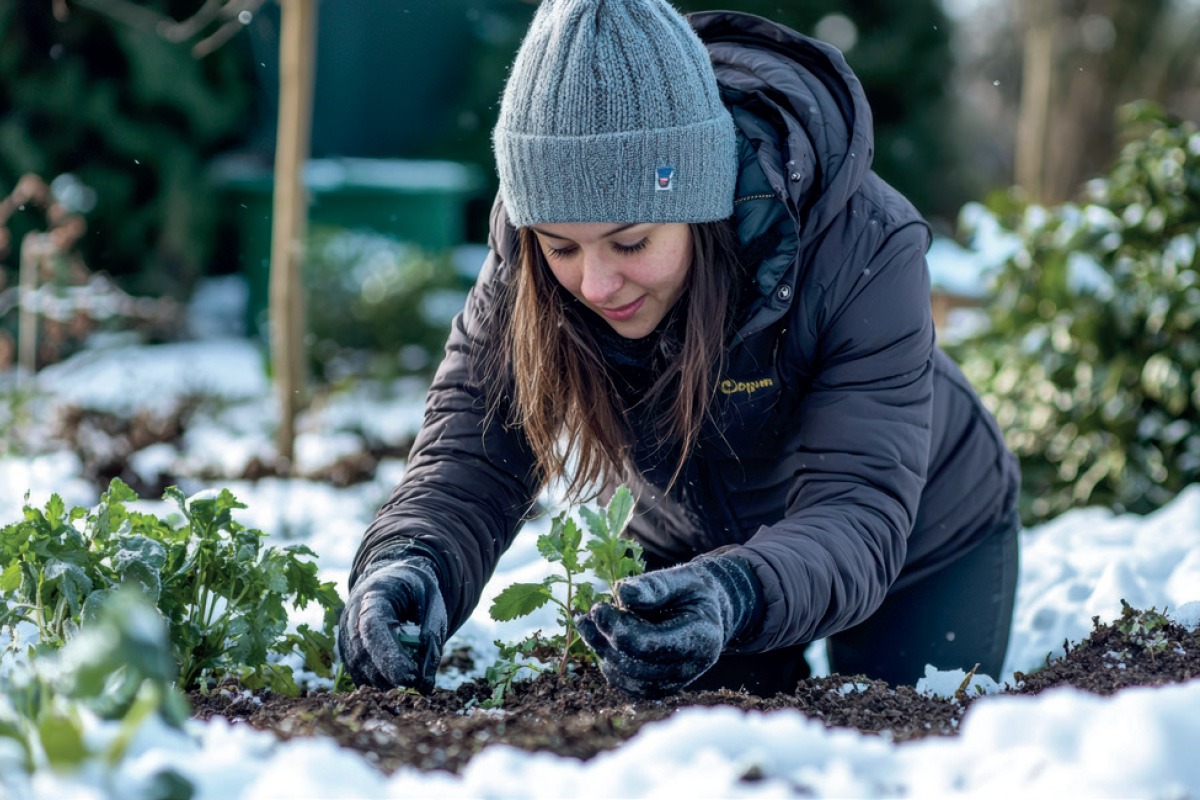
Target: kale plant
(223,595)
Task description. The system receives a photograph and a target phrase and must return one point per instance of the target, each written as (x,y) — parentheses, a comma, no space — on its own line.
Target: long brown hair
(564,398)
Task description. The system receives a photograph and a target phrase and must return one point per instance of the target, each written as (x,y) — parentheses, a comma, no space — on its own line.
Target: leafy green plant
(606,554)
(120,670)
(17,404)
(1090,360)
(223,595)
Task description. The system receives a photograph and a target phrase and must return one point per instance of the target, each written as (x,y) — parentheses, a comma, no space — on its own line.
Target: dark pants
(954,618)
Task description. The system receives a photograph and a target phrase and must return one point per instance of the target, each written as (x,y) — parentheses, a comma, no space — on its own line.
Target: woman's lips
(623,312)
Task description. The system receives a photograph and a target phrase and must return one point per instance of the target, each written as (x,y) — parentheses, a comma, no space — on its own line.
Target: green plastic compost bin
(418,202)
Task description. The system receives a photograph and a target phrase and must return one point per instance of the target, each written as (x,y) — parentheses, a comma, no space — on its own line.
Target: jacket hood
(799,105)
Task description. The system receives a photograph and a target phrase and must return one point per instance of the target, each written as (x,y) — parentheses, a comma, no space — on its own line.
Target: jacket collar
(805,129)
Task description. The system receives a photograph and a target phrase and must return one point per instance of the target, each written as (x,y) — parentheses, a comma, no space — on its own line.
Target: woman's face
(631,275)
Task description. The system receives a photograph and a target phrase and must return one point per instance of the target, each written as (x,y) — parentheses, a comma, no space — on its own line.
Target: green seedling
(512,659)
(607,554)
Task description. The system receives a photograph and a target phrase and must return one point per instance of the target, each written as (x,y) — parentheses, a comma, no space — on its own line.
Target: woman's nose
(600,281)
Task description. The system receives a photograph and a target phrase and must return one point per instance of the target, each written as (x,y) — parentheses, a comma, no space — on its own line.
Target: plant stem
(59,619)
(41,612)
(562,666)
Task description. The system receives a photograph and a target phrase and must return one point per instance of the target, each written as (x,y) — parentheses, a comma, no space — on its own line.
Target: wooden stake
(297,54)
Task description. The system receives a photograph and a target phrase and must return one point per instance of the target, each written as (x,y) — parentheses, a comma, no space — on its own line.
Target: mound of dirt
(580,715)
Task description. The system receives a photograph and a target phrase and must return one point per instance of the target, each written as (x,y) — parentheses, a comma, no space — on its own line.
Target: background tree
(1082,59)
(1041,81)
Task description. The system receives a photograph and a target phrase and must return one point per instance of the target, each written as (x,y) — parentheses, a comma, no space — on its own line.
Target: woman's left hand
(674,625)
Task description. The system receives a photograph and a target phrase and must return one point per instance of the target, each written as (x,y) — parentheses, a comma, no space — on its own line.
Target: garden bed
(579,715)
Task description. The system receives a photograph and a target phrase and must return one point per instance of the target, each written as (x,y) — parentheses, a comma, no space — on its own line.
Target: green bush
(1091,361)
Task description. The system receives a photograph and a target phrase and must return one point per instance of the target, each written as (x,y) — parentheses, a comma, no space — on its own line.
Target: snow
(954,269)
(946,682)
(125,378)
(1139,742)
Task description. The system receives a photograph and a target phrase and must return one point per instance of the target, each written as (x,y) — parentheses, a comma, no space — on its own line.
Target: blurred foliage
(497,27)
(70,302)
(377,307)
(118,669)
(132,116)
(1091,361)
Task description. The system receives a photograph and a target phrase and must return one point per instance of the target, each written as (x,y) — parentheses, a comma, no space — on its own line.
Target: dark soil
(579,715)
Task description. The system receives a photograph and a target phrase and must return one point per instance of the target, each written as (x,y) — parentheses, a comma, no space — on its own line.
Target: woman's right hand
(389,596)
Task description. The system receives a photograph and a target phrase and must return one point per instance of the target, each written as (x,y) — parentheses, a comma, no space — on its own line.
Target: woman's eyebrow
(554,235)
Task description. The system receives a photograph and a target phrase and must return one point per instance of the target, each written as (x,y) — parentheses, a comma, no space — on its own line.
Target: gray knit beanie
(611,114)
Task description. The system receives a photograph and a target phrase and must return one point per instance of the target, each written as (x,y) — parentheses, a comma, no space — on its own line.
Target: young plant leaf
(72,583)
(62,741)
(609,556)
(620,511)
(586,596)
(561,544)
(10,578)
(519,600)
(597,522)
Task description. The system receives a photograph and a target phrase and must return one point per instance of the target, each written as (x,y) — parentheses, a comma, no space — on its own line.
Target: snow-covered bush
(1091,361)
(377,306)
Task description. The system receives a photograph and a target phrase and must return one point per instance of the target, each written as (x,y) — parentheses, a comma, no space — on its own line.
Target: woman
(697,287)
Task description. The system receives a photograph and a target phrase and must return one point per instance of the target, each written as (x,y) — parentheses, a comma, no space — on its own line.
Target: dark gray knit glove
(675,624)
(375,649)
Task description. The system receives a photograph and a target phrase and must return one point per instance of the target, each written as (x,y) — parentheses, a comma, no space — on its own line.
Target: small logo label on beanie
(666,177)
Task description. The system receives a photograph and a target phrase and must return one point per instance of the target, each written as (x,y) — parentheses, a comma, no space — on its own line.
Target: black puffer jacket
(847,455)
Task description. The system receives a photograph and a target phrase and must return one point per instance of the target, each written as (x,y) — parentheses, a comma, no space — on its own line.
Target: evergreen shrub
(1091,361)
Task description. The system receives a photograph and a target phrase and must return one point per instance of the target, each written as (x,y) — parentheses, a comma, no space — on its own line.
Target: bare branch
(226,15)
(229,29)
(192,26)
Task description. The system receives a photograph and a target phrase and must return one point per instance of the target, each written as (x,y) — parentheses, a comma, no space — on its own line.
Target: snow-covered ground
(1063,743)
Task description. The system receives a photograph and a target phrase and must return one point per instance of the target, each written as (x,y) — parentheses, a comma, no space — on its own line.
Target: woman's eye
(631,248)
(559,252)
